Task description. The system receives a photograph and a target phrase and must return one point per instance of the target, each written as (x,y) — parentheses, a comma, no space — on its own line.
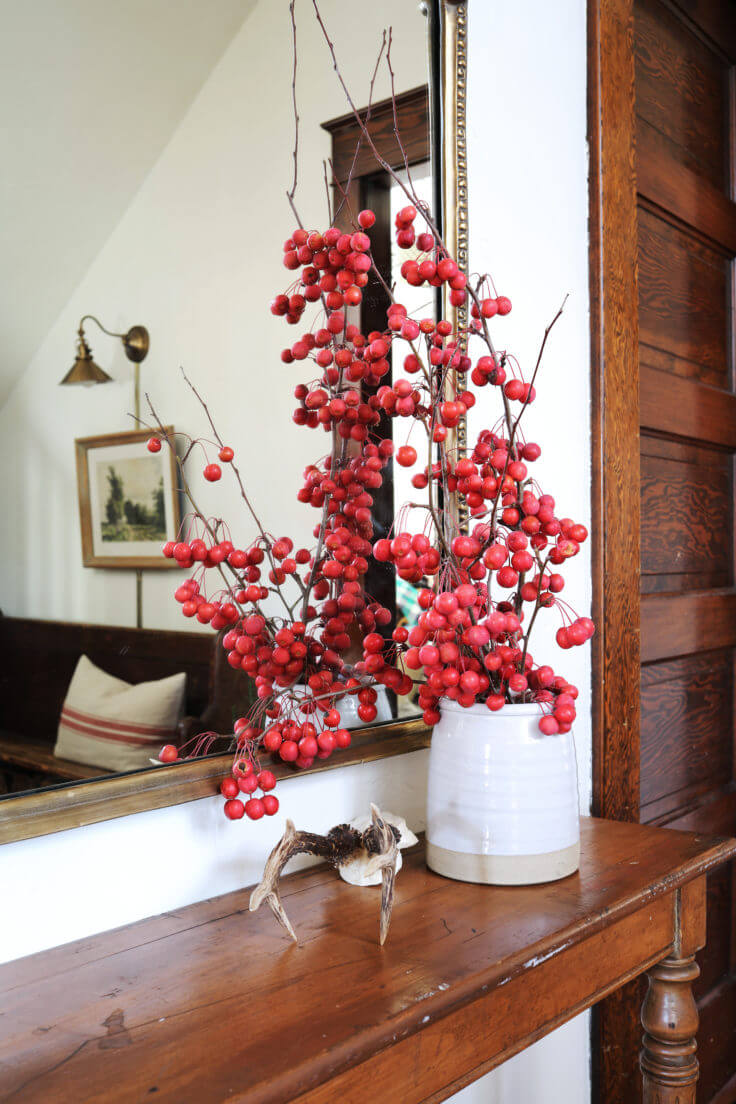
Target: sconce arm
(135,342)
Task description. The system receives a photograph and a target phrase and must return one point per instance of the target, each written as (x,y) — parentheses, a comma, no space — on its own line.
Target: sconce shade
(84,370)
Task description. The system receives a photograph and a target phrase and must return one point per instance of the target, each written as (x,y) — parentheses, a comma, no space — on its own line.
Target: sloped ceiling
(90,93)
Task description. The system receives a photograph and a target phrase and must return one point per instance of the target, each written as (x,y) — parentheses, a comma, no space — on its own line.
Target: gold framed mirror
(80,801)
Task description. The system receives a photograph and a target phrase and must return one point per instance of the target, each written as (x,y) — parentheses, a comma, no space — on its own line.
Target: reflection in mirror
(181,188)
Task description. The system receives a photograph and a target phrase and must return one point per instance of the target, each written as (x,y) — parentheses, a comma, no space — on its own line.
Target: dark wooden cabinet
(671,78)
(685,143)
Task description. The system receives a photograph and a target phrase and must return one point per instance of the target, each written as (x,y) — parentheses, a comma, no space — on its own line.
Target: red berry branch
(479,591)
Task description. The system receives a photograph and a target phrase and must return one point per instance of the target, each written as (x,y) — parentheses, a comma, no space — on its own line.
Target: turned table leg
(670,1020)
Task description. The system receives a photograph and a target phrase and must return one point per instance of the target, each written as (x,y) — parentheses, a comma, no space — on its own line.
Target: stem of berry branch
(359,143)
(292,15)
(198,513)
(236,473)
(537,607)
(397,132)
(524,405)
(292,191)
(330,216)
(408,191)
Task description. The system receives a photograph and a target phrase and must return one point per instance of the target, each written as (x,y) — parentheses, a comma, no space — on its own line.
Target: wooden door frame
(615,409)
(615,471)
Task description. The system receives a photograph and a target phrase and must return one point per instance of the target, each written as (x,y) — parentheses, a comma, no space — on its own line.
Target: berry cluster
(479,591)
(246,780)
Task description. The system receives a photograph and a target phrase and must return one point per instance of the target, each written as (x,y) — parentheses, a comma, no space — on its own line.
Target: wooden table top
(213,1003)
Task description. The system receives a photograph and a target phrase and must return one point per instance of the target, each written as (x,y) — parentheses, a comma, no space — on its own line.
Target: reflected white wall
(196,258)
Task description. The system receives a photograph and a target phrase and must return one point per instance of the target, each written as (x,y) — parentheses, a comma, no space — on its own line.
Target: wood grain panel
(615,408)
(683,488)
(412,109)
(669,184)
(718,959)
(714,21)
(717,1039)
(174,1009)
(680,85)
(684,288)
(615,494)
(686,705)
(715,958)
(685,118)
(686,408)
(703,620)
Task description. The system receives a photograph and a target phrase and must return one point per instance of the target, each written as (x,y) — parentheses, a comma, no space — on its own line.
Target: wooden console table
(212,1003)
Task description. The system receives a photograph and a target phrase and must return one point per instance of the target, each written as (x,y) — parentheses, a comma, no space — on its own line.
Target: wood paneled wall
(668,67)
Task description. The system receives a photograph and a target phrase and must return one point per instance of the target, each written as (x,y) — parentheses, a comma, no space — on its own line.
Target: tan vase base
(504,869)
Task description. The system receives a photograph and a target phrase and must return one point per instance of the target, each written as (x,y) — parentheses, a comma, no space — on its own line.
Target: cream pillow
(106,722)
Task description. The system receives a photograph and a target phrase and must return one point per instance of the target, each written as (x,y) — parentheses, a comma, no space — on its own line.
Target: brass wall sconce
(84,370)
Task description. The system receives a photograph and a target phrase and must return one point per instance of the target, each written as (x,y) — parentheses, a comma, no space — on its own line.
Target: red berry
(254,808)
(342,738)
(229,787)
(168,754)
(234,809)
(406,456)
(270,804)
(226,454)
(565,714)
(366,219)
(289,751)
(266,780)
(154,445)
(212,472)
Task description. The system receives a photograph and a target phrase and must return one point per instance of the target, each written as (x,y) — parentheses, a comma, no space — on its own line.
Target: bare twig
(407,190)
(291,193)
(397,131)
(359,143)
(238,478)
(327,193)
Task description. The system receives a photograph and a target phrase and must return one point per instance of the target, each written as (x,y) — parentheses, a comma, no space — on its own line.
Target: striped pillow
(106,722)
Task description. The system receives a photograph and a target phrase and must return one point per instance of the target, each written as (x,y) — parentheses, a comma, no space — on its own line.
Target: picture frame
(128,500)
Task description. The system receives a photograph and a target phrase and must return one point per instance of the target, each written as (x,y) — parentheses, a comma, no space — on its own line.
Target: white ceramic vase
(348,706)
(502,806)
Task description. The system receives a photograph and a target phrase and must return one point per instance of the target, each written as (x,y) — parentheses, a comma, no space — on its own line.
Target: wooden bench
(38,660)
(213,1003)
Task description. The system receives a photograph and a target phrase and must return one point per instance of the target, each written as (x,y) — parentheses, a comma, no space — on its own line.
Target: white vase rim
(342,693)
(516,709)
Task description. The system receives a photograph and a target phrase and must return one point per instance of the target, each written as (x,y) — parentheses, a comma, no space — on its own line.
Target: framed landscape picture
(128,500)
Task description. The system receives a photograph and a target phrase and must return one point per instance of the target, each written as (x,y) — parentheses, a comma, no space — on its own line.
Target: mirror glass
(152,156)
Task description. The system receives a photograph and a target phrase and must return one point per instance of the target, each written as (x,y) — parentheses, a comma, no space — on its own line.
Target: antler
(340,844)
(385,860)
(268,890)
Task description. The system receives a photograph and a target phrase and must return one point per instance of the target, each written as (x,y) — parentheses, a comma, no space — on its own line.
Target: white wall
(528,229)
(185,262)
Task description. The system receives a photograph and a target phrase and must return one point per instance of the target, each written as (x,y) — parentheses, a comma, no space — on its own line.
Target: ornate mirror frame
(73,805)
